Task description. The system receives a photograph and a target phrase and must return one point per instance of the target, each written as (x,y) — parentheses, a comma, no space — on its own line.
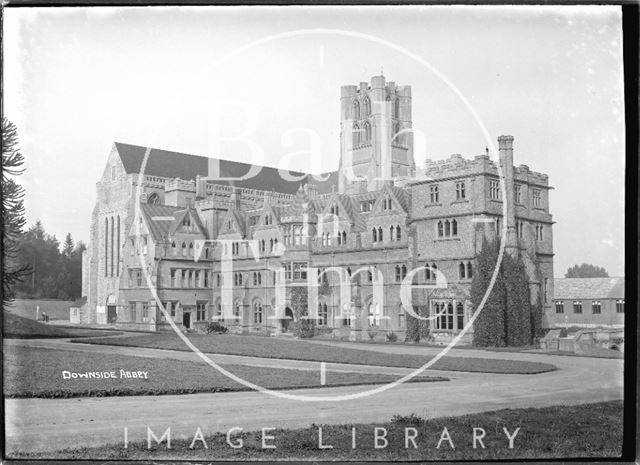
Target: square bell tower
(376,138)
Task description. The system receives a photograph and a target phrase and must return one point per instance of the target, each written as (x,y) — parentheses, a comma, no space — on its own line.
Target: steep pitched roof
(169,164)
(179,216)
(159,219)
(588,288)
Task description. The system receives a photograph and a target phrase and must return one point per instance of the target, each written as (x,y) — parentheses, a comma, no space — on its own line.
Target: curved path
(53,424)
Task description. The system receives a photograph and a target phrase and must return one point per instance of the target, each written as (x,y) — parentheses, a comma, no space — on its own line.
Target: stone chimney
(505,147)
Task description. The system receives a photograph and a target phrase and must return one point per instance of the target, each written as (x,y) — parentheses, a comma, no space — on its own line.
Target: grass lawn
(56,309)
(36,372)
(259,346)
(591,430)
(17,327)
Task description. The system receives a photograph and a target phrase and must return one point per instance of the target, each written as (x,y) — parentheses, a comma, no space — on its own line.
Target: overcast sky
(78,79)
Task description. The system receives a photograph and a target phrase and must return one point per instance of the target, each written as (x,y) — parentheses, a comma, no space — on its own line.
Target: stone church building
(170,241)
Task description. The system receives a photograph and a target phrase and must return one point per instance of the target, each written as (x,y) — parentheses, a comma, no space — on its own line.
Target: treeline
(55,272)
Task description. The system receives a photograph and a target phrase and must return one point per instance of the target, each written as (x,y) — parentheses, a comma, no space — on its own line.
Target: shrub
(391,336)
(304,328)
(409,420)
(216,327)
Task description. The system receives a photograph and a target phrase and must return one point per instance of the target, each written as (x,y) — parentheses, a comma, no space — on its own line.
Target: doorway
(112,314)
(288,318)
(186,320)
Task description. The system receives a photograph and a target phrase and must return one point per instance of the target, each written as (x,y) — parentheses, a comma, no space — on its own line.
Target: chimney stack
(505,147)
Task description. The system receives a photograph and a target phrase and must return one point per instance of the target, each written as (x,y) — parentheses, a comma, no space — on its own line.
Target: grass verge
(37,372)
(259,346)
(17,327)
(560,432)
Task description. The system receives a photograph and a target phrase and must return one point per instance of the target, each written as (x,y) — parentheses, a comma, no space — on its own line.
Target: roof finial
(381,71)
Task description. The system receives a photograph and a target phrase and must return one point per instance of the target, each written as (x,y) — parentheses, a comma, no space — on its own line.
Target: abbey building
(163,230)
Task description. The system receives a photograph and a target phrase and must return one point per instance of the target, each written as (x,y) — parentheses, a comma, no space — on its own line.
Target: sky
(263,83)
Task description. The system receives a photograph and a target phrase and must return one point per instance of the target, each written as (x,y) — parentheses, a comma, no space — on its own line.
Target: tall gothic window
(367,107)
(367,131)
(356,109)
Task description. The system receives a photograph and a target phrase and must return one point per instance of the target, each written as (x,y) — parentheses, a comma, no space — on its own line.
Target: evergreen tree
(508,318)
(517,304)
(67,248)
(12,210)
(491,326)
(302,327)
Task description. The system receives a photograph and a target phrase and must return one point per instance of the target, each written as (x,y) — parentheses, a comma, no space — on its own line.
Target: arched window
(218,280)
(440,229)
(191,249)
(144,246)
(427,272)
(454,228)
(469,270)
(396,108)
(447,228)
(255,278)
(398,233)
(380,234)
(391,233)
(434,271)
(404,271)
(356,109)
(271,245)
(367,106)
(236,310)
(173,248)
(374,314)
(356,135)
(398,277)
(460,315)
(206,252)
(397,137)
(374,235)
(462,271)
(344,237)
(184,249)
(154,199)
(367,131)
(257,312)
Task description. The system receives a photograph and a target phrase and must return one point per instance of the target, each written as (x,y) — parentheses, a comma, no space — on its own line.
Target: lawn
(36,372)
(56,309)
(258,346)
(584,431)
(17,327)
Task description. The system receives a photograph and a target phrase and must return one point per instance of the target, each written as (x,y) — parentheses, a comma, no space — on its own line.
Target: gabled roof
(398,193)
(402,195)
(169,164)
(179,216)
(588,288)
(160,219)
(238,219)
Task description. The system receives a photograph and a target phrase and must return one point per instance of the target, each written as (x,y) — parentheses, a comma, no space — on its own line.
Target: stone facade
(206,250)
